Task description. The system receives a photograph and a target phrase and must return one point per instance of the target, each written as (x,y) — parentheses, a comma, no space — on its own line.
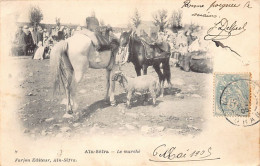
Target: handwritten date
(173,154)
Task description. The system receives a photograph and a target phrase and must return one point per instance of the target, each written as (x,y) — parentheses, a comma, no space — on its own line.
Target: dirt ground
(178,112)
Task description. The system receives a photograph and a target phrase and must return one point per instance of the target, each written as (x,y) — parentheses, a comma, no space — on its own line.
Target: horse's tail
(57,58)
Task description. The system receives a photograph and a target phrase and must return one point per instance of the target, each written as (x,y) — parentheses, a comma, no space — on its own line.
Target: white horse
(71,58)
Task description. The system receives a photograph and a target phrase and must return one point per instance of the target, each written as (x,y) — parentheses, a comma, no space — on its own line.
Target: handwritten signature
(172,154)
(221,30)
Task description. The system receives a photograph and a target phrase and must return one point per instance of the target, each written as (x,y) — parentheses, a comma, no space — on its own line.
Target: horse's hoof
(70,112)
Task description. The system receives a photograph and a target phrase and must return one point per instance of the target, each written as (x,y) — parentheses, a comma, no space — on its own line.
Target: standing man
(101,42)
(39,35)
(27,40)
(61,35)
(93,32)
(34,36)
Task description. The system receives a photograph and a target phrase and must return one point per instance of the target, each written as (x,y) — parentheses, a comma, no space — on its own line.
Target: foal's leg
(112,89)
(153,94)
(162,88)
(146,97)
(167,72)
(129,96)
(156,67)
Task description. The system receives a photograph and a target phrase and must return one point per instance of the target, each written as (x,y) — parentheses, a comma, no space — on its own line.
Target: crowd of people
(28,39)
(38,42)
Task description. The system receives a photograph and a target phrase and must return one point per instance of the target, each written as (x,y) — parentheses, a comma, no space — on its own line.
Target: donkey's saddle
(156,50)
(100,42)
(103,43)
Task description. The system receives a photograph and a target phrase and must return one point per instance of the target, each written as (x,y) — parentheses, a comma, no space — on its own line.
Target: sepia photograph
(111,82)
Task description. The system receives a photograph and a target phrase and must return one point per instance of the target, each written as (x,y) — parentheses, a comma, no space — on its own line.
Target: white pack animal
(142,84)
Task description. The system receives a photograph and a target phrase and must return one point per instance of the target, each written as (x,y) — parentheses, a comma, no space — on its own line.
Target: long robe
(39,54)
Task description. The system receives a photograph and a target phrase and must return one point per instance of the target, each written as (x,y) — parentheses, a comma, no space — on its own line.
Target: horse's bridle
(129,50)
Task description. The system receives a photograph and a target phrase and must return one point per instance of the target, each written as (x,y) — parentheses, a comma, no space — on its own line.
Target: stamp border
(214,96)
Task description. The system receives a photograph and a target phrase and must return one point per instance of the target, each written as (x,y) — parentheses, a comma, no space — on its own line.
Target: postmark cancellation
(232,94)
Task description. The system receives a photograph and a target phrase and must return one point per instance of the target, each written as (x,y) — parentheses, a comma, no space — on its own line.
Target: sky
(113,12)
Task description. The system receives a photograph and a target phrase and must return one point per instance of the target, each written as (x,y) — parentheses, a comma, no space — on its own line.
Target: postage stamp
(232,94)
(253,117)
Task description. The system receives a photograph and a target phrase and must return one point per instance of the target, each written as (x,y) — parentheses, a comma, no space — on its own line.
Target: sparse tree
(176,20)
(160,19)
(35,15)
(136,19)
(57,20)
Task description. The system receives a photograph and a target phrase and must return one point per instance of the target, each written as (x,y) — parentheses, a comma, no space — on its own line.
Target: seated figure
(100,42)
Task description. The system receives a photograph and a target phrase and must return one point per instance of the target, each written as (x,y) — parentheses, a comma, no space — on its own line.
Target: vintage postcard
(129,82)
